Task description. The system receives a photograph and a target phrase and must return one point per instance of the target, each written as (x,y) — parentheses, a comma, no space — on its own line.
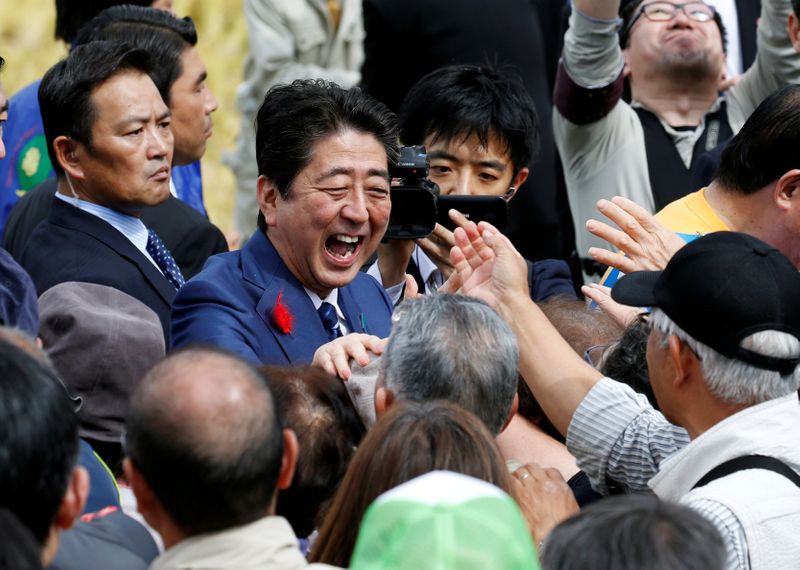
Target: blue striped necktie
(330,320)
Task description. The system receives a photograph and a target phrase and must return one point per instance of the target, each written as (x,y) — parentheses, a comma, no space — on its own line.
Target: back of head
(626,360)
(453,348)
(204,434)
(409,440)
(765,148)
(161,34)
(65,94)
(582,327)
(459,101)
(38,440)
(71,15)
(18,549)
(294,117)
(317,407)
(634,532)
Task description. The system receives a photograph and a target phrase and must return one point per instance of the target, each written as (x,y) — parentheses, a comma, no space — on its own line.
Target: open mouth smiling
(343,247)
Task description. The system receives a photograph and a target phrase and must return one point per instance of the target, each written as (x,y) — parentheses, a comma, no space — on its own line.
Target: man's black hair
(162,35)
(459,101)
(626,360)
(38,440)
(766,147)
(635,532)
(294,117)
(628,10)
(206,486)
(2,63)
(71,15)
(65,94)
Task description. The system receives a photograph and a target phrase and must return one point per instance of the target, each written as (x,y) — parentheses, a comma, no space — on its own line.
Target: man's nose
(355,210)
(211,103)
(462,185)
(160,142)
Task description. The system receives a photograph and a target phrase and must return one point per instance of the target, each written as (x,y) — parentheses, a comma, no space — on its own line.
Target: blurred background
(29,48)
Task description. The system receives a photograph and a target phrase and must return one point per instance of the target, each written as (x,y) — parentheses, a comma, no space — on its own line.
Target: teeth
(346,238)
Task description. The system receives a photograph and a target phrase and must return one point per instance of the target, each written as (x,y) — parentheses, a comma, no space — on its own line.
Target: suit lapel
(356,321)
(262,267)
(69,216)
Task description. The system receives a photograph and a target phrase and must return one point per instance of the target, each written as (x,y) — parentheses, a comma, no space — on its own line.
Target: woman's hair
(408,441)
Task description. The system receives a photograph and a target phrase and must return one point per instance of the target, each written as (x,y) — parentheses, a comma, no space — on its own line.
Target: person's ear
(383,400)
(520,178)
(626,67)
(145,498)
(68,151)
(786,193)
(512,412)
(685,363)
(74,499)
(794,31)
(267,196)
(290,451)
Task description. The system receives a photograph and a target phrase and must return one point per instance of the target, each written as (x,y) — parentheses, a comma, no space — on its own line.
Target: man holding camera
(323,194)
(480,130)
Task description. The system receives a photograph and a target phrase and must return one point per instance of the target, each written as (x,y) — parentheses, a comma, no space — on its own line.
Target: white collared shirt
(333,299)
(129,226)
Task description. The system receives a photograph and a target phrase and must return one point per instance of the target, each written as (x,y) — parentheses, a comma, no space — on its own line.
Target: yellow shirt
(691,216)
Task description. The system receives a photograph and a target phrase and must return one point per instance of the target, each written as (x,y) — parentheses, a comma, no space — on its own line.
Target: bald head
(203,424)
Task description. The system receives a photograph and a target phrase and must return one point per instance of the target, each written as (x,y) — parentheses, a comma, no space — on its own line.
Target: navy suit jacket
(73,245)
(230,304)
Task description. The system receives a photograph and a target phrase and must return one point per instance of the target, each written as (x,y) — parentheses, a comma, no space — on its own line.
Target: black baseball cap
(721,288)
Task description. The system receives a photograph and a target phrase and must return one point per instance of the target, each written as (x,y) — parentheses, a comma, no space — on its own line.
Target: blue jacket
(230,304)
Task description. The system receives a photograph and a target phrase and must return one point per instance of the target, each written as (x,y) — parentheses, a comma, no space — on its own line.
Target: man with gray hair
(454,348)
(723,359)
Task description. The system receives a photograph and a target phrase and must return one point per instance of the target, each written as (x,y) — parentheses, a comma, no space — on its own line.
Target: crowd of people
(336,393)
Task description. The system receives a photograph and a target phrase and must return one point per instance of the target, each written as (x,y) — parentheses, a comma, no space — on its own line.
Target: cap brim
(636,289)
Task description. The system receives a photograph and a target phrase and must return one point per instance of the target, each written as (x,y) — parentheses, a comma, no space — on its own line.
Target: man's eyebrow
(442,155)
(4,107)
(201,78)
(142,118)
(336,171)
(493,164)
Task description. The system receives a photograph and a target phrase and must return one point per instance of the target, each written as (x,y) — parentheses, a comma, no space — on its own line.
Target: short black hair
(38,440)
(18,548)
(294,117)
(2,63)
(766,146)
(164,36)
(796,7)
(464,100)
(206,483)
(626,360)
(65,94)
(71,15)
(635,532)
(627,12)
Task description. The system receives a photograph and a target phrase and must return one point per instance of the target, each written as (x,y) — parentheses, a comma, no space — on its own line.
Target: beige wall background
(29,48)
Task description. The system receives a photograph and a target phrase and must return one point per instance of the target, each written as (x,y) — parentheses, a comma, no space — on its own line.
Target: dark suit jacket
(188,235)
(73,245)
(230,304)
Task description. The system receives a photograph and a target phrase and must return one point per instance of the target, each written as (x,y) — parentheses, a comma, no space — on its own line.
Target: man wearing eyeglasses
(672,55)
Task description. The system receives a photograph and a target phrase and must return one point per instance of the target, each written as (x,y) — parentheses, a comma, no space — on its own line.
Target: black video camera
(417,206)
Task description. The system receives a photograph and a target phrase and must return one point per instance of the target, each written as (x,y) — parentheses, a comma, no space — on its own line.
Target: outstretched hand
(644,243)
(334,357)
(544,498)
(486,264)
(622,314)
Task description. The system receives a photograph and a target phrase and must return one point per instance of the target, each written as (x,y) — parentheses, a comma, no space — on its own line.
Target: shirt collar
(131,227)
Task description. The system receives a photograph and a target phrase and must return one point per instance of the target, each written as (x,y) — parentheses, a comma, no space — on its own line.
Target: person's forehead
(124,93)
(191,64)
(494,145)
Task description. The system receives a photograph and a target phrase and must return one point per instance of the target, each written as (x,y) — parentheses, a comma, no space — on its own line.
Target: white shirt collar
(333,299)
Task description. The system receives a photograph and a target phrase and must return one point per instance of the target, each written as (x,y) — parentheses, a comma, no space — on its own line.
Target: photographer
(479,127)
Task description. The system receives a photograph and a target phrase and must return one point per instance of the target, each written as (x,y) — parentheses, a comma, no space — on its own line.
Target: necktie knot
(163,258)
(330,320)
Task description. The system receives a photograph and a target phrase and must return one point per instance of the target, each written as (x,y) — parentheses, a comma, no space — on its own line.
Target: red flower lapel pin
(282,317)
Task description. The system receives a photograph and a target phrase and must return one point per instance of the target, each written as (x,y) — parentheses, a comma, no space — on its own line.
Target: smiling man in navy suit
(323,195)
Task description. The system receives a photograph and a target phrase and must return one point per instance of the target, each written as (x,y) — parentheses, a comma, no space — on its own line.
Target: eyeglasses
(665,11)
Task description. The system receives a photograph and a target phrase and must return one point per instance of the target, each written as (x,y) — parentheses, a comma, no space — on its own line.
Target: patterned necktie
(330,320)
(163,258)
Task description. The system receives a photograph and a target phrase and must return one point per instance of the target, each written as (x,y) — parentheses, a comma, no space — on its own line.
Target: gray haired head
(453,348)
